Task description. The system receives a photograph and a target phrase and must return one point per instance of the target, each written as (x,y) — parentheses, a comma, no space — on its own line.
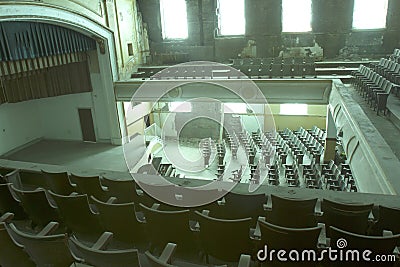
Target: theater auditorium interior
(199,133)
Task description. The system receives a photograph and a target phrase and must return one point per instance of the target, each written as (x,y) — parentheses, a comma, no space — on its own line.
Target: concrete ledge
(370,156)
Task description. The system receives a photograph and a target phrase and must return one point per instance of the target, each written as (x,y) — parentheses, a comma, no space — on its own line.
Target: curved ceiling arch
(67,18)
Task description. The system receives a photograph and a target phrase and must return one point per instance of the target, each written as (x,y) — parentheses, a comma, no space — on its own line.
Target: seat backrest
(78,217)
(58,182)
(37,206)
(161,224)
(384,245)
(11,253)
(9,204)
(277,237)
(150,193)
(38,247)
(388,220)
(123,190)
(392,65)
(296,213)
(349,217)
(326,203)
(388,87)
(90,186)
(239,206)
(120,219)
(105,258)
(216,235)
(397,68)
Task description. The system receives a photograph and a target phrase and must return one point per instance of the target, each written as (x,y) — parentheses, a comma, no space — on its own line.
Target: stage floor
(71,154)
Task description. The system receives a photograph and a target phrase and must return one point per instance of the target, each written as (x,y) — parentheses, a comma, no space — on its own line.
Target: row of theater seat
(276,67)
(242,68)
(238,222)
(373,87)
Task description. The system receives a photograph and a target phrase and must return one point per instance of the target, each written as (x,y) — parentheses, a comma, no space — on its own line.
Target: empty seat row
(278,70)
(214,233)
(20,248)
(373,87)
(269,61)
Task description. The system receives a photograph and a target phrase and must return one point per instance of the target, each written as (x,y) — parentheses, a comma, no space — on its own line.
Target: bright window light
(174,19)
(296,15)
(235,108)
(231,17)
(180,106)
(370,14)
(294,109)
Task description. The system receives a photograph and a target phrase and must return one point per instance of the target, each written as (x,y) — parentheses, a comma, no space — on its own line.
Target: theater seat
(237,206)
(98,255)
(388,219)
(294,213)
(45,248)
(78,216)
(277,237)
(224,239)
(59,182)
(162,228)
(11,253)
(121,220)
(379,245)
(91,186)
(346,216)
(37,206)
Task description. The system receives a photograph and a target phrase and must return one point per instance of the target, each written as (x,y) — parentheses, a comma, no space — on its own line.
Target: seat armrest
(195,227)
(205,212)
(267,207)
(179,197)
(103,241)
(257,230)
(244,261)
(50,228)
(104,188)
(387,233)
(140,217)
(155,206)
(139,192)
(7,217)
(167,253)
(111,200)
(318,211)
(14,178)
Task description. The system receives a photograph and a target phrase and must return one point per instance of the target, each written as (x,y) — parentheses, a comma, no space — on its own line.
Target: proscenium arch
(56,15)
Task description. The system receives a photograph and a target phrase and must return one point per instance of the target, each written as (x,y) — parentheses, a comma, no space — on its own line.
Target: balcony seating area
(80,228)
(377,82)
